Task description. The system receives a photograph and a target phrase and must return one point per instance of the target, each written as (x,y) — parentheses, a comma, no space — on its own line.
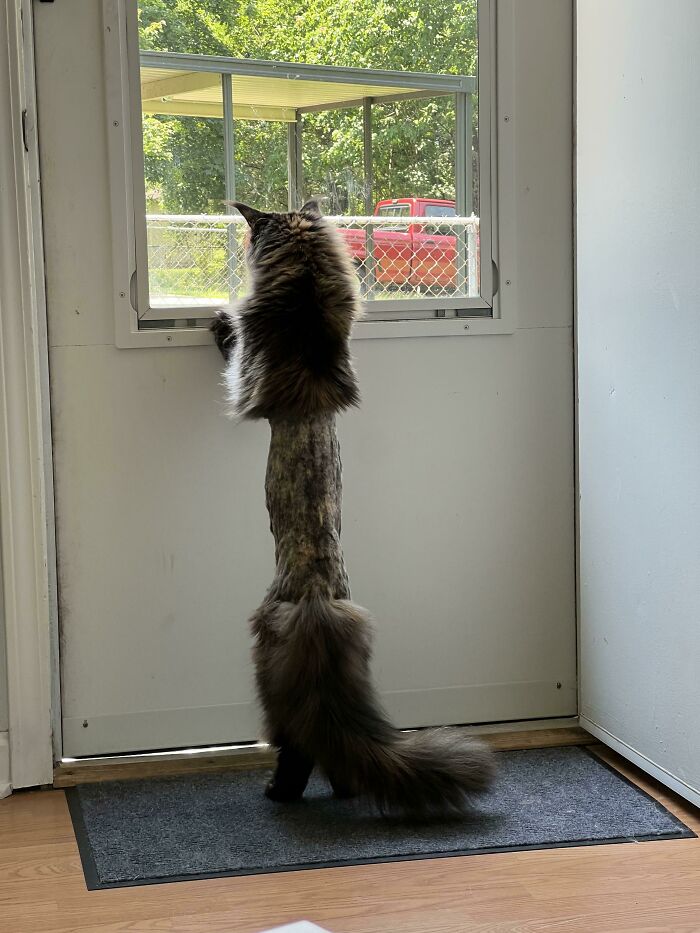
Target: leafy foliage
(413,143)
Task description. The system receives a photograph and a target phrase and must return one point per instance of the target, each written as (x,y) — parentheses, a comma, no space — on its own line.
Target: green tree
(413,140)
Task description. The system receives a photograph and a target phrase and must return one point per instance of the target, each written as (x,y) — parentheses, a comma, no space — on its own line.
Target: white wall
(458,519)
(4,715)
(4,712)
(638,232)
(4,720)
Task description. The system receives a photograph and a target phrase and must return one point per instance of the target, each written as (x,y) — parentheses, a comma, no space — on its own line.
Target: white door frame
(27,552)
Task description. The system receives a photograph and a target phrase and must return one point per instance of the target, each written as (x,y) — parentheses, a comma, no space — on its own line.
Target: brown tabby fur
(288,360)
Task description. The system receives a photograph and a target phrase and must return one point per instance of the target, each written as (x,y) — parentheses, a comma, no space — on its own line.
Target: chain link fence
(200,259)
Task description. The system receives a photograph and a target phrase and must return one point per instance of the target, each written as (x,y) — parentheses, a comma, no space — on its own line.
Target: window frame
(491,313)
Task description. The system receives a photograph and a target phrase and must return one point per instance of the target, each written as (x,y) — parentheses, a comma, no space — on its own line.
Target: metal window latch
(24,130)
(134,290)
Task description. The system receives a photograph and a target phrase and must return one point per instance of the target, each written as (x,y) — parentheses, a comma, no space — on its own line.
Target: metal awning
(248,89)
(191,85)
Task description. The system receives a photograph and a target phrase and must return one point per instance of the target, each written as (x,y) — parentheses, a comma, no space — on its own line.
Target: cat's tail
(333,714)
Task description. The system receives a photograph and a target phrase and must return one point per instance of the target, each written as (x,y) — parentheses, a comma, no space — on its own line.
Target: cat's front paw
(224,333)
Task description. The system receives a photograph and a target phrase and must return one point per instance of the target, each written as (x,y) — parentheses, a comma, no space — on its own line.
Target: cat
(287,353)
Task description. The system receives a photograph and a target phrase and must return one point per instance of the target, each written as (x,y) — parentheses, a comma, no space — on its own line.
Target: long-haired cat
(288,360)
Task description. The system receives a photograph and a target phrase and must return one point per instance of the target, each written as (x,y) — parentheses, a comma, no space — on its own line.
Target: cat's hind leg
(342,789)
(291,776)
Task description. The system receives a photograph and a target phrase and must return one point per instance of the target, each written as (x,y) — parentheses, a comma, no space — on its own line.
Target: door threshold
(543,733)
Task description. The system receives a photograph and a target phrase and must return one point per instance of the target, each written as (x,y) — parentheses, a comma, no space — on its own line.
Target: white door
(639,383)
(458,512)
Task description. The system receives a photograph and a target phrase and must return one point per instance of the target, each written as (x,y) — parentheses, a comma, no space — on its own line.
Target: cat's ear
(251,215)
(311,209)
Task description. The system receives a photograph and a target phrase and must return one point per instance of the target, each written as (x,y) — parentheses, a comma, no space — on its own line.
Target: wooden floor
(638,888)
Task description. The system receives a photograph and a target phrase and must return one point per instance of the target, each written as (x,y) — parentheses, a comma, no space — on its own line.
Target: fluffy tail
(315,681)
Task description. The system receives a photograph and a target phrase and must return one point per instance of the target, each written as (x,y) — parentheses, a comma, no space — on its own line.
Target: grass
(194,282)
(185,283)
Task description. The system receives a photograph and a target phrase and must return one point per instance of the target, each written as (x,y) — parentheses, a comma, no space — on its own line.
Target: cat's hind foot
(282,793)
(291,777)
(341,789)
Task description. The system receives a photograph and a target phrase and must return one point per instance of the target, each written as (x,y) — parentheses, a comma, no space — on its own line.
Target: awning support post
(366,271)
(295,167)
(463,185)
(232,252)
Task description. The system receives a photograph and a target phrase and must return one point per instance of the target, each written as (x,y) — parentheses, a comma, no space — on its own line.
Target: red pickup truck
(409,254)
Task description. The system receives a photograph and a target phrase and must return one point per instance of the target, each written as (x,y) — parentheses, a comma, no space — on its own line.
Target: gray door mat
(211,825)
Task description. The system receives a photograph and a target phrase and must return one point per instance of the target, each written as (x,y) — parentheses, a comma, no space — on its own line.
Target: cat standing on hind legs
(286,347)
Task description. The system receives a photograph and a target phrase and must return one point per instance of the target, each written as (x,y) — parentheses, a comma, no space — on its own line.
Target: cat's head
(283,246)
(268,225)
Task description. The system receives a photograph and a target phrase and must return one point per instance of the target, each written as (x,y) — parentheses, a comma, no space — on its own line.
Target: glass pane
(295,135)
